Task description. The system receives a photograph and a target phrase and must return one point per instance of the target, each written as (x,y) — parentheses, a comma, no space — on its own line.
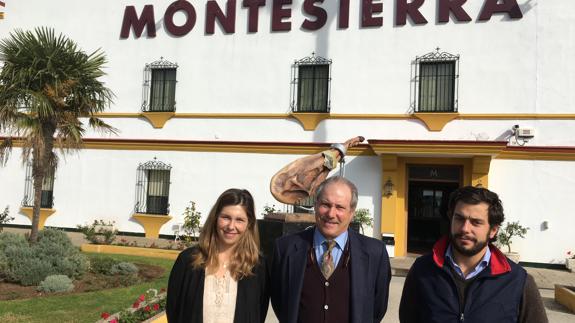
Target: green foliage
(102,265)
(124,268)
(363,217)
(5,218)
(55,284)
(270,209)
(191,224)
(14,241)
(30,264)
(508,232)
(47,86)
(99,232)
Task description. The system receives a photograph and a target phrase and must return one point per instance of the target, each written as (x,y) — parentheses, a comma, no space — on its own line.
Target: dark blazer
(370,276)
(186,293)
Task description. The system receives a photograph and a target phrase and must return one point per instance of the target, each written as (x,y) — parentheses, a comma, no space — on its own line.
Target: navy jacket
(370,276)
(430,293)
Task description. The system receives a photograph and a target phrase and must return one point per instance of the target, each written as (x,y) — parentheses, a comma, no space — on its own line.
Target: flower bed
(146,307)
(131,251)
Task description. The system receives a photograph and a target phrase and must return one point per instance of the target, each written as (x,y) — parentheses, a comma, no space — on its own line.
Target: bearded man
(466,278)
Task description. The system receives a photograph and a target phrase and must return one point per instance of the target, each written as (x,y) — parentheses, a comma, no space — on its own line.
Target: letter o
(169,18)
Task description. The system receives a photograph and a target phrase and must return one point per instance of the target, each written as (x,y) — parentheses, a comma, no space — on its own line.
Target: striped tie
(327,265)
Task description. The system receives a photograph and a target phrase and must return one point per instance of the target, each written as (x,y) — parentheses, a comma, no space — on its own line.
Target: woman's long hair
(246,252)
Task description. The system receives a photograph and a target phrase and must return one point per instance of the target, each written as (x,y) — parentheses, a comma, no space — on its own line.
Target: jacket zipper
(461,318)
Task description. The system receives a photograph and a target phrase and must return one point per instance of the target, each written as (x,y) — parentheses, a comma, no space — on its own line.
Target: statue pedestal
(275,225)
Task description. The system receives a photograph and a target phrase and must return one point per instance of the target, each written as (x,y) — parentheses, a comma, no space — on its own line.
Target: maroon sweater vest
(325,300)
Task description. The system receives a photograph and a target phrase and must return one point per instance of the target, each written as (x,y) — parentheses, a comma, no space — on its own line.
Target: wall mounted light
(388,188)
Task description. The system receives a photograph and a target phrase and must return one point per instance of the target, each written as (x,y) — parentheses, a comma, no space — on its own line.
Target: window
(436,79)
(160,87)
(47,197)
(305,205)
(153,188)
(311,84)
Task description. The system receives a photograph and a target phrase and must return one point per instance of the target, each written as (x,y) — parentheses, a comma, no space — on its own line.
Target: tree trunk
(41,155)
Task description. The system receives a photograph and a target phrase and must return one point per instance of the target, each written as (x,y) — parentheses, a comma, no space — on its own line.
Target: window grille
(436,82)
(311,79)
(47,197)
(305,205)
(159,93)
(153,188)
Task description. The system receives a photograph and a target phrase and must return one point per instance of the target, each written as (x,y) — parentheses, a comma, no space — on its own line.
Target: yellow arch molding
(44,215)
(152,223)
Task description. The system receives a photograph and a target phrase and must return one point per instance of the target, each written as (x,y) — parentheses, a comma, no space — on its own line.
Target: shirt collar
(340,240)
(480,266)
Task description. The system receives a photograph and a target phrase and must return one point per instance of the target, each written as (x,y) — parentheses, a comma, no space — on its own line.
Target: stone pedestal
(275,225)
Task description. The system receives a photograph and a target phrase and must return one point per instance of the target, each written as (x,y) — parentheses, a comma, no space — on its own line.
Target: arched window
(436,82)
(159,93)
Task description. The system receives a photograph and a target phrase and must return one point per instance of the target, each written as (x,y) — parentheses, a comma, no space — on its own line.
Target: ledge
(44,214)
(131,251)
(158,119)
(565,295)
(309,120)
(435,121)
(152,223)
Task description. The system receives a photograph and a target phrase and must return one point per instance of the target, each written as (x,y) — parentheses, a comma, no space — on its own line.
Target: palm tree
(49,89)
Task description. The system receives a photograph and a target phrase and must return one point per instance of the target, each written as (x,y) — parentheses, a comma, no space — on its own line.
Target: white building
(226,93)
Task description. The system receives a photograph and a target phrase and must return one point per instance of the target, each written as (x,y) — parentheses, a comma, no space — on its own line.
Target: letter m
(131,20)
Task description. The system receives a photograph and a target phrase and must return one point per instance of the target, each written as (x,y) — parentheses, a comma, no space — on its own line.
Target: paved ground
(545,279)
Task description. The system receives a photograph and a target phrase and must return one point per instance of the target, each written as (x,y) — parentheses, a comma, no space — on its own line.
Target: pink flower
(156,307)
(105,315)
(136,305)
(147,308)
(142,297)
(114,321)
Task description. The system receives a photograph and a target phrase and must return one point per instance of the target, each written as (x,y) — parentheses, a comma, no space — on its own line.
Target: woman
(223,278)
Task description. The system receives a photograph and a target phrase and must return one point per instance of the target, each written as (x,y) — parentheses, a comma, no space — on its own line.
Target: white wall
(533,192)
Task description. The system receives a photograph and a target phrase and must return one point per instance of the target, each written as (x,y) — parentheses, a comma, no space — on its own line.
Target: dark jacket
(370,276)
(186,292)
(496,294)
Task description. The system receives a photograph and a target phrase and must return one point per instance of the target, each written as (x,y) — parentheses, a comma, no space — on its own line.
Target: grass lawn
(85,307)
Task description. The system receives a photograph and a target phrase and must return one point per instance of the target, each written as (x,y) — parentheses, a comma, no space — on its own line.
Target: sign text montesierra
(281,11)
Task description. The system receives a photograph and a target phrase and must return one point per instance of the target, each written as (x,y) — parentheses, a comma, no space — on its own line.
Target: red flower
(136,305)
(105,315)
(156,307)
(147,308)
(114,321)
(142,298)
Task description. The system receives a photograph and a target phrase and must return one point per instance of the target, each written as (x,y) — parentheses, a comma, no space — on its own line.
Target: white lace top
(219,298)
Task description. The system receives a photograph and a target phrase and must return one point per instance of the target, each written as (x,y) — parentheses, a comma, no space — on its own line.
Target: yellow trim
(44,214)
(447,149)
(133,251)
(158,119)
(1,15)
(435,121)
(152,223)
(565,297)
(537,155)
(309,121)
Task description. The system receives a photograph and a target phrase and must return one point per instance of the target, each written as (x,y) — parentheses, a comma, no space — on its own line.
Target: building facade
(217,94)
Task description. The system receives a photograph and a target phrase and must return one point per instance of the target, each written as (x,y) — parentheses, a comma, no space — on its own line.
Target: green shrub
(8,239)
(99,232)
(102,265)
(55,284)
(5,218)
(52,254)
(124,268)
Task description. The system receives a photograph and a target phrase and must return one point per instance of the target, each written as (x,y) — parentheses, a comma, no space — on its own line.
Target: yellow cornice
(437,148)
(414,148)
(309,121)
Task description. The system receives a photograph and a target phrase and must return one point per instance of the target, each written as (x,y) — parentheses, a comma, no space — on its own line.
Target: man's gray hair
(338,179)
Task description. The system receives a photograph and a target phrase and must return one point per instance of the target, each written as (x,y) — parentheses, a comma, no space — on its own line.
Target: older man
(330,273)
(467,279)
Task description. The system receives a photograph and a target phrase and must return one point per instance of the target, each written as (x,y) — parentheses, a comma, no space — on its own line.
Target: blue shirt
(479,268)
(319,247)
